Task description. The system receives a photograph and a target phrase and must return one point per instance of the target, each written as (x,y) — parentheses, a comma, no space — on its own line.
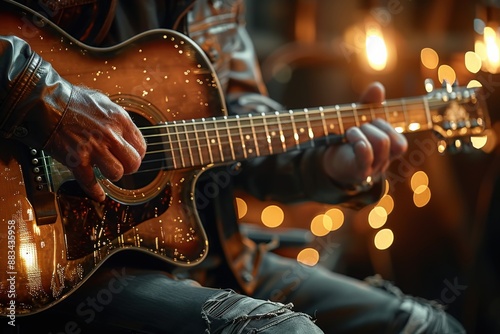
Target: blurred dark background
(445,235)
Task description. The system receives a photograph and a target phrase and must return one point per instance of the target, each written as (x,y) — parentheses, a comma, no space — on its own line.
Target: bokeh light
(272,216)
(308,256)
(384,239)
(337,217)
(241,207)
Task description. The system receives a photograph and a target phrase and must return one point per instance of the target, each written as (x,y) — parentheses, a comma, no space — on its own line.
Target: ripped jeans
(145,301)
(153,302)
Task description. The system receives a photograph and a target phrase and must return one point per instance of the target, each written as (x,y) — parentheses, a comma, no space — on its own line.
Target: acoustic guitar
(53,237)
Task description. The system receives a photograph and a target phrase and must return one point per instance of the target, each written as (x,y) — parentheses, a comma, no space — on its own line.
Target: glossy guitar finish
(52,237)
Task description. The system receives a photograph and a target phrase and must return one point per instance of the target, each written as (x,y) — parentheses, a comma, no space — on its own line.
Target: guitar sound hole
(154,160)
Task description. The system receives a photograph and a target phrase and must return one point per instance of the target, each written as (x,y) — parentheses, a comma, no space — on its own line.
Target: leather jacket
(33,97)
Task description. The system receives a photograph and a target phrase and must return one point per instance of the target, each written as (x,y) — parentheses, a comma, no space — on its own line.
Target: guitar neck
(200,142)
(205,141)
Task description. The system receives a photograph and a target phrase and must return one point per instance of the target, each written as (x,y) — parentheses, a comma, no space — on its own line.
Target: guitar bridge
(38,190)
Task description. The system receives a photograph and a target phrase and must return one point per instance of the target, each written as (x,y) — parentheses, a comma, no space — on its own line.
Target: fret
(229,138)
(198,144)
(268,136)
(281,132)
(386,111)
(249,140)
(202,137)
(349,117)
(235,137)
(179,144)
(323,122)
(207,138)
(216,140)
(304,134)
(242,137)
(372,112)
(294,127)
(261,134)
(339,117)
(331,120)
(396,117)
(253,136)
(417,115)
(275,131)
(189,139)
(365,115)
(172,144)
(355,113)
(310,132)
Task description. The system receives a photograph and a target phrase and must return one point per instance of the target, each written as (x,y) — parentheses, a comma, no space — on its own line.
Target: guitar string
(178,149)
(283,128)
(274,120)
(353,116)
(244,125)
(272,128)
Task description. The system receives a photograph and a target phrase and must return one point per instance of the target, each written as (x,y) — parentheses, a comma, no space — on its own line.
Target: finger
(86,178)
(128,157)
(399,143)
(116,158)
(133,136)
(381,146)
(374,93)
(363,151)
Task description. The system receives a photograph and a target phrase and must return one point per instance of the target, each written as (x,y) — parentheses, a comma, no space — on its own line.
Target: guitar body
(52,237)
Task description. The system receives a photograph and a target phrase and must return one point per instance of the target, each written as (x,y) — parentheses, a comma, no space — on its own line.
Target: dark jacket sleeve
(290,177)
(33,97)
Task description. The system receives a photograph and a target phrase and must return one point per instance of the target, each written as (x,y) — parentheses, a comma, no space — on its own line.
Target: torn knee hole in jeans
(228,308)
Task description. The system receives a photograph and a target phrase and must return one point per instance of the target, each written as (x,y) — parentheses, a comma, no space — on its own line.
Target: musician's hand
(94,131)
(369,150)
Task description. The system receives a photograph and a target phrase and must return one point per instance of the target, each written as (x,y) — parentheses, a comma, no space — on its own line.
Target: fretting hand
(369,150)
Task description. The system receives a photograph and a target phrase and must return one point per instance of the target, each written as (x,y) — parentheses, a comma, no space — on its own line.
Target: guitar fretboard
(200,142)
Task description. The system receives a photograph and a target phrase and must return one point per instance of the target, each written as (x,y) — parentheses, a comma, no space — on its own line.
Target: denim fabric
(146,301)
(153,302)
(344,305)
(231,313)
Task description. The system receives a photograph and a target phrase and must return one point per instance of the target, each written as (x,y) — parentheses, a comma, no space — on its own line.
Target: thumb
(374,93)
